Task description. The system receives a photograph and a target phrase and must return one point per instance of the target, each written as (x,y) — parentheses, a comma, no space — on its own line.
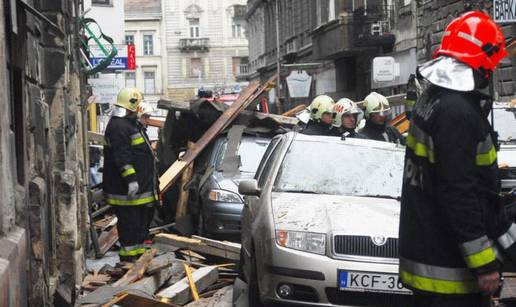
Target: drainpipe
(278,61)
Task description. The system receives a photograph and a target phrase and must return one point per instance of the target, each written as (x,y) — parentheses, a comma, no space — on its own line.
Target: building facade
(206,46)
(334,41)
(43,170)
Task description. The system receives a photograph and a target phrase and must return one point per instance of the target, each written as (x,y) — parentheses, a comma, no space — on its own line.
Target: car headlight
(305,241)
(224,196)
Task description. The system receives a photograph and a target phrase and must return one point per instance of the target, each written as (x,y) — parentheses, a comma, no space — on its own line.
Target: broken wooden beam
(131,300)
(248,95)
(292,112)
(223,250)
(225,245)
(138,269)
(106,240)
(161,262)
(179,293)
(182,202)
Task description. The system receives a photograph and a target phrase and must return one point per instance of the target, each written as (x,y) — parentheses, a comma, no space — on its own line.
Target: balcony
(354,32)
(242,72)
(194,44)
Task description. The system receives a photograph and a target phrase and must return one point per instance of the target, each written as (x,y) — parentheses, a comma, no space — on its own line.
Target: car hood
(346,215)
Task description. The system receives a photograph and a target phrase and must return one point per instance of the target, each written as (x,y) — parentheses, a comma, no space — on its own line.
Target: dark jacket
(344,132)
(128,157)
(319,128)
(385,133)
(452,223)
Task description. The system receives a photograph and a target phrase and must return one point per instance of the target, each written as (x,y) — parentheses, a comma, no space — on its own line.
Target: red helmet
(474,39)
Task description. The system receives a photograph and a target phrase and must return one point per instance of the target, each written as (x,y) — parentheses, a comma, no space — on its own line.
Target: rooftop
(142,9)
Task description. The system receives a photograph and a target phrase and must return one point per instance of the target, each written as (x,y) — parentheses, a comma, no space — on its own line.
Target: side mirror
(249,188)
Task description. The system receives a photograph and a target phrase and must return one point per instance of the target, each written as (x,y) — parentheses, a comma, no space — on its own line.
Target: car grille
(364,246)
(370,299)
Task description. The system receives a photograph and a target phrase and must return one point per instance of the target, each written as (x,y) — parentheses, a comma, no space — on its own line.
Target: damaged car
(320,223)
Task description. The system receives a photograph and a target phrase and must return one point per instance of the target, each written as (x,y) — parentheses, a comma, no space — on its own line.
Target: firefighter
(130,180)
(347,116)
(377,110)
(322,112)
(452,225)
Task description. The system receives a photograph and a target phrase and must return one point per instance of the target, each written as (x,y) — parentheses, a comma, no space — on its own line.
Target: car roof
(349,141)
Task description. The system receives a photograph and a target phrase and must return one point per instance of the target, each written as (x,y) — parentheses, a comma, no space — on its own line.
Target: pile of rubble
(174,271)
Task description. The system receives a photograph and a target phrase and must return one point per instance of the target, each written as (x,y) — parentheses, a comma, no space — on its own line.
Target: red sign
(131,57)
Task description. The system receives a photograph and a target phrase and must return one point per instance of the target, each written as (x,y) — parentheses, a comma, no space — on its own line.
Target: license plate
(372,282)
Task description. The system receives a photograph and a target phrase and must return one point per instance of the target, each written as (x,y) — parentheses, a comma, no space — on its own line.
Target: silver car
(320,223)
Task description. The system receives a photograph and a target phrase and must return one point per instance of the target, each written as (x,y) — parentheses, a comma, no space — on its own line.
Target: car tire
(254,290)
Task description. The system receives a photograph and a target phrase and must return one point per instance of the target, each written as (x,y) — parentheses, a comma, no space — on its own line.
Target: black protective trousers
(133,223)
(474,300)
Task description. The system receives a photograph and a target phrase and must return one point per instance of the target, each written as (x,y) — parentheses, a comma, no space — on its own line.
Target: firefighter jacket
(452,223)
(319,128)
(128,157)
(384,133)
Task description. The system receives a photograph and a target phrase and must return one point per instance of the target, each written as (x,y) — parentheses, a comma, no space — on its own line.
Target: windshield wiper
(381,196)
(297,191)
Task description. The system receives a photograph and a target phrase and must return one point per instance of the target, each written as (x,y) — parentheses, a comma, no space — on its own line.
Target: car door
(251,202)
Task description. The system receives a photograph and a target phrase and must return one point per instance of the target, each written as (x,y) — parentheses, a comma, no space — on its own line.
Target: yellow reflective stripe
(481,258)
(128,172)
(438,285)
(137,141)
(132,252)
(488,158)
(132,202)
(420,149)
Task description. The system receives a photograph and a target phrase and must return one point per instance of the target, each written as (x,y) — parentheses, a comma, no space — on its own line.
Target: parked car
(320,223)
(232,158)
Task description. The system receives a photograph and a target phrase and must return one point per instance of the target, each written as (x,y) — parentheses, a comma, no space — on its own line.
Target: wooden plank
(161,262)
(244,100)
(137,271)
(191,283)
(96,137)
(179,293)
(155,122)
(280,119)
(225,245)
(131,300)
(106,240)
(294,111)
(186,176)
(196,245)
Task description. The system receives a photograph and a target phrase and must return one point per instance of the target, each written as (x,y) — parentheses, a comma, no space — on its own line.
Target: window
(101,2)
(129,39)
(238,28)
(148,44)
(149,82)
(130,79)
(194,27)
(240,65)
(195,67)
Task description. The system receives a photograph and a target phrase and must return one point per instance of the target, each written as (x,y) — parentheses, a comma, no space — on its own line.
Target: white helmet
(376,103)
(145,108)
(320,105)
(346,106)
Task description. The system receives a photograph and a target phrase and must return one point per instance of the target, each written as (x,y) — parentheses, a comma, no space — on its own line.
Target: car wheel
(254,290)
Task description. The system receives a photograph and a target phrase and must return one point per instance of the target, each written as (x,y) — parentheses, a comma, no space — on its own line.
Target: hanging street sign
(125,58)
(504,11)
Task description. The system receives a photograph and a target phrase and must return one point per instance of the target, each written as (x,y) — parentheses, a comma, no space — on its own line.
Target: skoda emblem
(379,240)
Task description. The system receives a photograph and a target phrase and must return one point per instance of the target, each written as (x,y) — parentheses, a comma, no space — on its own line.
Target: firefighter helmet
(376,104)
(320,105)
(345,106)
(474,39)
(129,98)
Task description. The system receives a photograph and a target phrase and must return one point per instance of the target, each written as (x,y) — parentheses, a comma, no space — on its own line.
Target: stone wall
(44,174)
(433,16)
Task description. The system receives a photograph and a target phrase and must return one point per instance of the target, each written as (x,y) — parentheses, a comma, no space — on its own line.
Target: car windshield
(341,169)
(251,150)
(505,124)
